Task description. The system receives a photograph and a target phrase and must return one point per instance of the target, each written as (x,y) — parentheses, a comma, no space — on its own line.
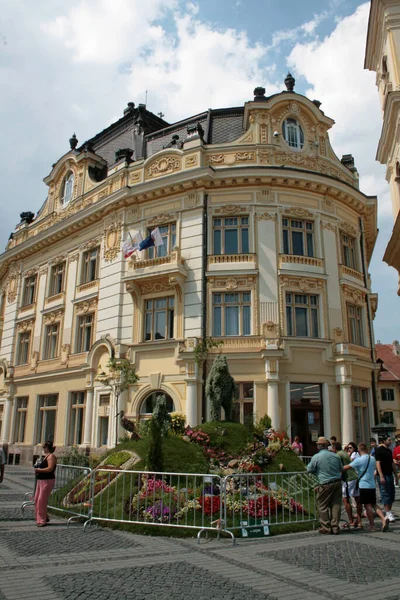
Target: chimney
(396,348)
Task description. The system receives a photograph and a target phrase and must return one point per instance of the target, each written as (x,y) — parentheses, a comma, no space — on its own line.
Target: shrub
(155,453)
(117,459)
(75,457)
(161,415)
(178,421)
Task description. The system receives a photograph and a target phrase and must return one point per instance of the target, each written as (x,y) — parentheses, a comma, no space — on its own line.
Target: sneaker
(390,516)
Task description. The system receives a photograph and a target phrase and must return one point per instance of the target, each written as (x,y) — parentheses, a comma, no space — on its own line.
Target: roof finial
(259,94)
(73,142)
(289,82)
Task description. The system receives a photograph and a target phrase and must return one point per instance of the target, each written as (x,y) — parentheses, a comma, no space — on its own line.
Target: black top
(384,456)
(43,465)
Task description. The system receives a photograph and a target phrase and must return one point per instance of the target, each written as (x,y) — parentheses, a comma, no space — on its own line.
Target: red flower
(210,504)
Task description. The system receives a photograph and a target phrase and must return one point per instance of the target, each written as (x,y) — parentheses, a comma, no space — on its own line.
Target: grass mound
(179,456)
(290,460)
(230,437)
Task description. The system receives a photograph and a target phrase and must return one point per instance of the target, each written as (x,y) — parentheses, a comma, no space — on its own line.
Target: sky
(73,66)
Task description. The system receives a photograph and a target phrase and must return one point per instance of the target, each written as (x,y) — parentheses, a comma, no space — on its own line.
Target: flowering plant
(210,504)
(178,421)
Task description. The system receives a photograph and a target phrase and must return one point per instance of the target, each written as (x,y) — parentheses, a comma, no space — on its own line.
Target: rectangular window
(77,416)
(388,395)
(159,319)
(90,265)
(349,256)
(20,420)
(355,325)
(46,423)
(361,414)
(298,237)
(51,337)
(232,314)
(103,431)
(28,296)
(231,235)
(243,410)
(23,345)
(168,234)
(302,315)
(84,333)
(387,416)
(57,277)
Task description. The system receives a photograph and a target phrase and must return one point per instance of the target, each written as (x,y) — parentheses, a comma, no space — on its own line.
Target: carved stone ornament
(243,156)
(112,241)
(158,286)
(353,295)
(231,283)
(12,287)
(298,212)
(266,156)
(348,228)
(163,166)
(30,272)
(231,209)
(73,257)
(267,217)
(25,325)
(328,226)
(161,219)
(90,244)
(65,351)
(303,284)
(191,161)
(53,316)
(34,360)
(338,335)
(81,308)
(57,259)
(135,177)
(270,330)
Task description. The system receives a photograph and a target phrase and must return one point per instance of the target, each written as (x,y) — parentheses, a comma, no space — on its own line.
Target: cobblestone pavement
(60,563)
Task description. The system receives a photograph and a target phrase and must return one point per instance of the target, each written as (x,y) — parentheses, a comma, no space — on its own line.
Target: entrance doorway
(306,414)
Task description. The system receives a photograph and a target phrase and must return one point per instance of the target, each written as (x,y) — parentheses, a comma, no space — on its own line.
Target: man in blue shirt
(328,469)
(365,466)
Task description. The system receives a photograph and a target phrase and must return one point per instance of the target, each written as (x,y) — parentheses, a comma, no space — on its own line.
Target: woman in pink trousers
(45,479)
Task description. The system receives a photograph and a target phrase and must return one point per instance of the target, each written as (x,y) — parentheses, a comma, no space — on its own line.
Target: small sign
(311,418)
(250,530)
(314,435)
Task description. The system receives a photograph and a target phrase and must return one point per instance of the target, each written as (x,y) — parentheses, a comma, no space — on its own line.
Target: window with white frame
(302,315)
(20,420)
(349,252)
(23,345)
(57,277)
(46,418)
(51,339)
(77,416)
(231,235)
(84,333)
(103,431)
(90,265)
(243,408)
(387,394)
(298,237)
(293,134)
(28,294)
(168,234)
(387,416)
(361,414)
(231,314)
(355,324)
(159,318)
(68,189)
(149,403)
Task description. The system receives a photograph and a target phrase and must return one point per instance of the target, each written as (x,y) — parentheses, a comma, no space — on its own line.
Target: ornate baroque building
(382,55)
(267,241)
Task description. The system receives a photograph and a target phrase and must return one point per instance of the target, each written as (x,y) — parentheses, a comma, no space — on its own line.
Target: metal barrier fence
(242,501)
(268,499)
(306,459)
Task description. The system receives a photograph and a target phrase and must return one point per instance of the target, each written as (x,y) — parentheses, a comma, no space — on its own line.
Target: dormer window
(293,134)
(68,188)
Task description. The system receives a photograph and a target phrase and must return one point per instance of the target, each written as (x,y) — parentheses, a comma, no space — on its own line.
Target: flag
(132,244)
(154,239)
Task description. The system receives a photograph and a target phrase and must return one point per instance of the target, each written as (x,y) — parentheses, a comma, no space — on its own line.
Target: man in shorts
(365,466)
(386,474)
(349,491)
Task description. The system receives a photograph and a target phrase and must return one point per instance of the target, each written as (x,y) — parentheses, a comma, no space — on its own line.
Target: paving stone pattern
(11,513)
(12,497)
(60,540)
(349,561)
(188,581)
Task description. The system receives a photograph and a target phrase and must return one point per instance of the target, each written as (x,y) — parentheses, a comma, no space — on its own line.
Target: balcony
(251,343)
(55,300)
(294,259)
(27,311)
(151,268)
(90,285)
(227,262)
(351,275)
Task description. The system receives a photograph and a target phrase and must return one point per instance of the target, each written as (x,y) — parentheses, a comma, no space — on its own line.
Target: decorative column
(87,432)
(326,410)
(191,403)
(346,411)
(6,428)
(272,376)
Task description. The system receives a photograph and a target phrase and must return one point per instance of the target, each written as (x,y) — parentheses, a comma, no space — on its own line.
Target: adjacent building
(266,245)
(388,357)
(382,55)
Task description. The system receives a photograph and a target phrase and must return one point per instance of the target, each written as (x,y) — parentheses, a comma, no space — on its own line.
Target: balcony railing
(348,272)
(218,259)
(300,260)
(173,257)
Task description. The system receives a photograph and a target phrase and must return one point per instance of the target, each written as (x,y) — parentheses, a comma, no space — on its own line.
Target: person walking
(297,446)
(365,466)
(45,480)
(396,460)
(2,463)
(328,468)
(349,489)
(372,446)
(386,474)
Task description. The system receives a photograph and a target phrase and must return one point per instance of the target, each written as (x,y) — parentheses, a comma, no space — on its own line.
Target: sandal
(385,526)
(345,526)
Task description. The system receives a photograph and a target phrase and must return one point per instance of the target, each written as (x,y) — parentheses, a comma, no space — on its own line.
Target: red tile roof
(390,362)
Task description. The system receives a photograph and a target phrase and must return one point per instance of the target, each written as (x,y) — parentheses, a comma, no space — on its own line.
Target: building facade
(266,246)
(388,357)
(382,55)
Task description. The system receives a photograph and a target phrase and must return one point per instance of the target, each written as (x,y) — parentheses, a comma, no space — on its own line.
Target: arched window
(68,188)
(293,134)
(149,403)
